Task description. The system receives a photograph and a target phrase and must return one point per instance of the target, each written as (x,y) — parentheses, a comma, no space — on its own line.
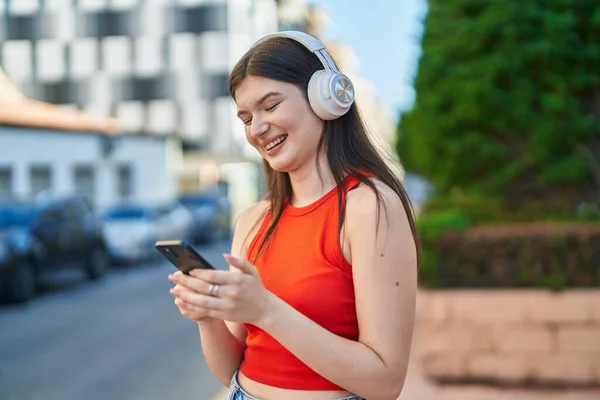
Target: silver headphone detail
(330,92)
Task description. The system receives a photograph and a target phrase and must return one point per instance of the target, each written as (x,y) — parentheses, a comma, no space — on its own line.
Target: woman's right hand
(190,311)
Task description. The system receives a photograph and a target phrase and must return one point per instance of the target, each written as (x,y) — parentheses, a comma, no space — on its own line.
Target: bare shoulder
(250,215)
(363,203)
(246,226)
(378,223)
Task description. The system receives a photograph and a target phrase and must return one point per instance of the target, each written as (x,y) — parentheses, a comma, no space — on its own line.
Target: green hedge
(482,210)
(530,254)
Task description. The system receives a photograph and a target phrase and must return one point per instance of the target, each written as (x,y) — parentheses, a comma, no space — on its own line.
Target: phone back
(182,256)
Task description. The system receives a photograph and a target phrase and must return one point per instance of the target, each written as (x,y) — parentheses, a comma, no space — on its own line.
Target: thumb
(243,265)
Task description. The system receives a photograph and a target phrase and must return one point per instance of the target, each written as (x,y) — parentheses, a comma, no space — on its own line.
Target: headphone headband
(310,42)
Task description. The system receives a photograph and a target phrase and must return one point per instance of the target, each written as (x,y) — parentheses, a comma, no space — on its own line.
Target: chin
(280,165)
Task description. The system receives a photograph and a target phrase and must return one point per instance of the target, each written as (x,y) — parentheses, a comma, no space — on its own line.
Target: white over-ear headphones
(330,93)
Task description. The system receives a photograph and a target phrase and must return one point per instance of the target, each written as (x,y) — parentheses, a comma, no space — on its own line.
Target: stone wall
(510,336)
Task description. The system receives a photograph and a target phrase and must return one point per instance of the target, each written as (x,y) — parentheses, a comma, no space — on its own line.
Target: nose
(258,127)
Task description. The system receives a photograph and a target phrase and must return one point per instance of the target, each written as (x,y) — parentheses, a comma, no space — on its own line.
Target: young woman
(319,301)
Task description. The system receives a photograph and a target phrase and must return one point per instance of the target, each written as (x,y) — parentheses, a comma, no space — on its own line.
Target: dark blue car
(42,237)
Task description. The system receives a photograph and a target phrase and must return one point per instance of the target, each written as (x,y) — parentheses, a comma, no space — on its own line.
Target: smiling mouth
(276,142)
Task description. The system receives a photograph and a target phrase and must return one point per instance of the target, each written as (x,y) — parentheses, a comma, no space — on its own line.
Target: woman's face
(279,122)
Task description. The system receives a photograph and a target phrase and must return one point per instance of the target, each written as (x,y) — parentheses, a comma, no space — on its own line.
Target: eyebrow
(262,100)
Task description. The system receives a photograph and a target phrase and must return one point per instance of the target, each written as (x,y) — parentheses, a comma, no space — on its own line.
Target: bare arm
(385,276)
(223,343)
(222,350)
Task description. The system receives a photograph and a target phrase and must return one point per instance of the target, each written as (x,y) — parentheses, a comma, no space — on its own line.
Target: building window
(124,181)
(145,88)
(214,85)
(200,18)
(63,92)
(6,181)
(24,27)
(40,179)
(83,175)
(107,23)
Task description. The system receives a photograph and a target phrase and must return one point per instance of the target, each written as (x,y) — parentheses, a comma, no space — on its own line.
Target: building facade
(107,169)
(158,66)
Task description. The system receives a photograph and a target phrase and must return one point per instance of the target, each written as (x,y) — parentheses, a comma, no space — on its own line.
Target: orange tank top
(304,266)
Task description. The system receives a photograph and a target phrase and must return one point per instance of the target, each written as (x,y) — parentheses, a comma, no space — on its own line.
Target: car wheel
(21,285)
(97,263)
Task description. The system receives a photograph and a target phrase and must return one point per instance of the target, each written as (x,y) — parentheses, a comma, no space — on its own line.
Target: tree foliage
(508,99)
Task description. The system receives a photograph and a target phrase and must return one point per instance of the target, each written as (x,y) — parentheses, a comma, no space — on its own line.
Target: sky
(385,35)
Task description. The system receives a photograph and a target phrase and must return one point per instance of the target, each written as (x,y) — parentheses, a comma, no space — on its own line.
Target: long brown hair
(347,146)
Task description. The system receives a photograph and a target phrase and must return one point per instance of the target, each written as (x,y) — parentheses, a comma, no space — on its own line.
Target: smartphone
(182,255)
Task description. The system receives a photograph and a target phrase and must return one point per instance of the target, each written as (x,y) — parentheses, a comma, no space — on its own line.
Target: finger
(224,291)
(180,303)
(243,265)
(181,292)
(180,289)
(190,311)
(217,277)
(201,300)
(190,283)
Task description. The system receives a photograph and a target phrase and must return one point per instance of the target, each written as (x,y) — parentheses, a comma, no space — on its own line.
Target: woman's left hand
(226,295)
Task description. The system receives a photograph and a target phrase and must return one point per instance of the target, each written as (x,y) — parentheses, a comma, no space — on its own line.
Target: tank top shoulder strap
(351,182)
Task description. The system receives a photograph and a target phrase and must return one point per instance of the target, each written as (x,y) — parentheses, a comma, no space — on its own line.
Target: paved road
(120,338)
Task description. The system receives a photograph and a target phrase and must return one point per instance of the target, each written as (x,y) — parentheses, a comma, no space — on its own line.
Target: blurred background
(116,131)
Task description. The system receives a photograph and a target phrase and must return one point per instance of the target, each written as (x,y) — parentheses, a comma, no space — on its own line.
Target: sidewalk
(417,387)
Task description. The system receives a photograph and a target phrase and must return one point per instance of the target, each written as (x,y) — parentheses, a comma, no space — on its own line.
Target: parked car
(39,238)
(130,230)
(211,214)
(174,222)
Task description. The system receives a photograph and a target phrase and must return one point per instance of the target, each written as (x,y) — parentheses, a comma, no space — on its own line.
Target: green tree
(508,99)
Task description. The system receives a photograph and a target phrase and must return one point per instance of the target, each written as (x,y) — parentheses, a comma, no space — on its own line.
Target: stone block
(509,338)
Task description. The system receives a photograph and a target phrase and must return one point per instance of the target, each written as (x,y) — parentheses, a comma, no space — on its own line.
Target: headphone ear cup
(321,98)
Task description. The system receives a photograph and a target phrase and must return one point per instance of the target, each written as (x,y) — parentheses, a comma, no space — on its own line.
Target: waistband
(237,393)
(235,390)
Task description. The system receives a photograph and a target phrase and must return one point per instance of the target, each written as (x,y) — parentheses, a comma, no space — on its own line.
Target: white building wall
(154,163)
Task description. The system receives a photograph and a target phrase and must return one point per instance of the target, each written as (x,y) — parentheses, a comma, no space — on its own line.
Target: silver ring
(214,290)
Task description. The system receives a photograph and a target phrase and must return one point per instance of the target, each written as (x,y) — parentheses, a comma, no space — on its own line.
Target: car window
(164,210)
(81,207)
(49,215)
(67,213)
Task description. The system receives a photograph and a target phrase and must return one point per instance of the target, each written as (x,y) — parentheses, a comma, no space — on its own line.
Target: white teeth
(275,142)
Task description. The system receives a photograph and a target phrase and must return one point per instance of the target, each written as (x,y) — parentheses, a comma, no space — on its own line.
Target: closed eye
(271,108)
(268,109)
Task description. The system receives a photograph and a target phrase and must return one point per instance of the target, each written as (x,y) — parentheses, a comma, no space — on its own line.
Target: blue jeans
(237,393)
